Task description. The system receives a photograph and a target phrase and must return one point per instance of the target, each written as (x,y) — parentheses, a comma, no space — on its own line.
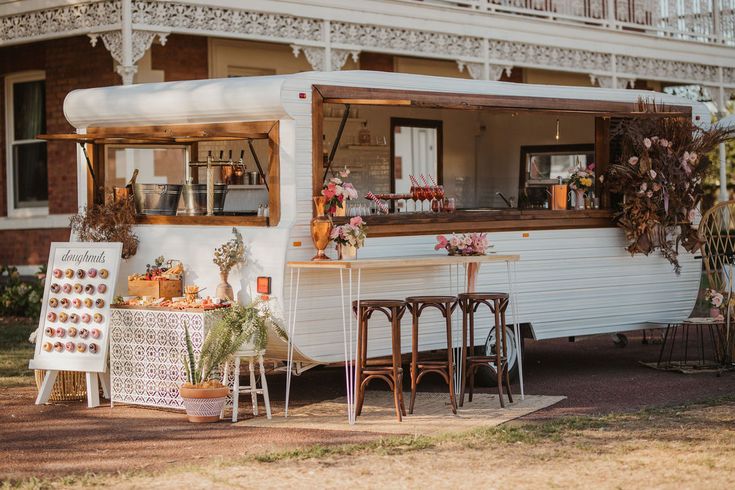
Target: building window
(25,117)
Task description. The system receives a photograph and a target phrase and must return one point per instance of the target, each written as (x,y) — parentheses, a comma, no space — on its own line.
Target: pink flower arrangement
(337,191)
(352,233)
(464,244)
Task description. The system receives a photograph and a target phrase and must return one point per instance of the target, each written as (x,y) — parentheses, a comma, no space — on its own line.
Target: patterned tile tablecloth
(147,349)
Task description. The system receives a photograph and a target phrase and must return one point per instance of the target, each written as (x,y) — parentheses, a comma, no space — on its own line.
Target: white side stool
(253,389)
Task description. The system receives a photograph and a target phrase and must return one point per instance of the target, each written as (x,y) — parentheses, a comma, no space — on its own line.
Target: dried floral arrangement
(111,221)
(230,254)
(659,174)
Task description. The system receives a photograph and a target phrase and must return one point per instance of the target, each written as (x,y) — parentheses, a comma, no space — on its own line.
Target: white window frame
(10,80)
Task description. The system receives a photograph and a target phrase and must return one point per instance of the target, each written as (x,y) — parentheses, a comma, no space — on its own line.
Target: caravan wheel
(488,376)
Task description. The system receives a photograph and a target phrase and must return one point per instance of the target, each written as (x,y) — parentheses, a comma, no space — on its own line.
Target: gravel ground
(67,438)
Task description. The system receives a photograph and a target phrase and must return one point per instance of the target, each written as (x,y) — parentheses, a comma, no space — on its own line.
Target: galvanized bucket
(160,199)
(195,198)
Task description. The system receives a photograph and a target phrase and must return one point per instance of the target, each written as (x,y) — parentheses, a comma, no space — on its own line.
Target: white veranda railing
(710,21)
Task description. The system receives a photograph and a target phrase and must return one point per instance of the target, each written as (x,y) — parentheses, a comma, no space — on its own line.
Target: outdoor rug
(432,414)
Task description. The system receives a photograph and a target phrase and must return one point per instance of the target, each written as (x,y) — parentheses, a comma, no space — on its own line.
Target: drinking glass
(415,196)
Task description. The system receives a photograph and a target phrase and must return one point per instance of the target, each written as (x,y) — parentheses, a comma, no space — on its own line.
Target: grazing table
(349,327)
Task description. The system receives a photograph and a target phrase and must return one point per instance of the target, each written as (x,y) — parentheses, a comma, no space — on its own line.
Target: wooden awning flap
(147,138)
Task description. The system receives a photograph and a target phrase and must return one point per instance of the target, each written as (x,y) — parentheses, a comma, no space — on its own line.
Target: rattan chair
(716,231)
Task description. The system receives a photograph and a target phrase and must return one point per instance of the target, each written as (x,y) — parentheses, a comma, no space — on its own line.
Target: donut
(76,303)
(55,288)
(60,332)
(81,273)
(92,272)
(63,317)
(89,289)
(78,288)
(70,346)
(93,348)
(53,302)
(86,318)
(99,303)
(74,318)
(50,331)
(96,333)
(72,331)
(58,346)
(83,333)
(47,346)
(104,273)
(66,288)
(98,318)
(58,273)
(101,288)
(88,302)
(81,347)
(69,273)
(51,316)
(65,303)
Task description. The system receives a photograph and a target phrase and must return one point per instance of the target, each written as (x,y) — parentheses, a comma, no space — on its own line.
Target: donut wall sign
(73,329)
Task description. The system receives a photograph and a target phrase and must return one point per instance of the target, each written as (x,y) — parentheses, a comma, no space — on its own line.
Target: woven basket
(69,385)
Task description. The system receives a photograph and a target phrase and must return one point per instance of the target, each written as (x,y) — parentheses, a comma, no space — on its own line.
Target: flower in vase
(633,160)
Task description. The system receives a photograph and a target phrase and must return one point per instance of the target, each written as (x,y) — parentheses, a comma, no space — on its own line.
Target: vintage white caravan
(492,145)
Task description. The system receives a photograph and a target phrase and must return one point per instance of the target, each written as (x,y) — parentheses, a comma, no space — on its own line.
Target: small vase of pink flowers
(349,237)
(716,301)
(337,192)
(463,244)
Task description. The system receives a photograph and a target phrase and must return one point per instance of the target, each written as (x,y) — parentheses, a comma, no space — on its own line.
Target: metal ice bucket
(195,199)
(161,199)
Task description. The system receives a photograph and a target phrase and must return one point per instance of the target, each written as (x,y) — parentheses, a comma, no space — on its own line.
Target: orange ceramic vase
(321,228)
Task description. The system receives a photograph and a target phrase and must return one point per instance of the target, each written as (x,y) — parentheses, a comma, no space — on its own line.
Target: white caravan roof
(273,97)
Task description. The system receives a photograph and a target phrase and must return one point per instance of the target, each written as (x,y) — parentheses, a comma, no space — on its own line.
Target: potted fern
(243,327)
(203,395)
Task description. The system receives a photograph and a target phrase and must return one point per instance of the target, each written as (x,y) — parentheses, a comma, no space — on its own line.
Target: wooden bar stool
(416,305)
(391,373)
(498,303)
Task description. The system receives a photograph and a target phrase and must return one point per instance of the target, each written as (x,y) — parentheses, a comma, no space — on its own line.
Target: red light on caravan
(264,285)
(302,95)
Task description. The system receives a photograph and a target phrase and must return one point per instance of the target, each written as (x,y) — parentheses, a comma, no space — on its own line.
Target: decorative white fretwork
(141,41)
(67,19)
(659,69)
(208,19)
(349,38)
(526,54)
(476,70)
(405,41)
(316,56)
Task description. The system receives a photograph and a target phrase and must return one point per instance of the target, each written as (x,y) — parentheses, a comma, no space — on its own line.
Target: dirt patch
(687,448)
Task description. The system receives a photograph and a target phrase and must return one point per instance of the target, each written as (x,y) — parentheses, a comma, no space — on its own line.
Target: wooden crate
(155,289)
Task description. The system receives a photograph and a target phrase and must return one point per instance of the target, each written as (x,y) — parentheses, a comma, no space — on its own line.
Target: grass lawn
(15,352)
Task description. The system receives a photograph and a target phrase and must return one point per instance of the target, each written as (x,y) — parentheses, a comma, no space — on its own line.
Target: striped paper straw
(377,201)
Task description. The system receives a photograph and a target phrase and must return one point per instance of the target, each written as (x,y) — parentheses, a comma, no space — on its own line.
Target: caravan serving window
(171,166)
(482,140)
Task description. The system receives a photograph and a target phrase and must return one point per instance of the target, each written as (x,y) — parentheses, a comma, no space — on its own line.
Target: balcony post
(716,31)
(611,18)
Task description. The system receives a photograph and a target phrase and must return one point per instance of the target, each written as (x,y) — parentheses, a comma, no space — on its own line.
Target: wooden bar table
(349,327)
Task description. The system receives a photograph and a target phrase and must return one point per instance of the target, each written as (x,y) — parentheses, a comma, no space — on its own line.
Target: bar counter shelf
(512,219)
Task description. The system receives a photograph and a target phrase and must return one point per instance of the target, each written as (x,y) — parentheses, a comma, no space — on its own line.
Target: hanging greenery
(659,174)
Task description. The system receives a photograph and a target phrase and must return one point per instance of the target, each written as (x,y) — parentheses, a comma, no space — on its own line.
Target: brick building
(50,47)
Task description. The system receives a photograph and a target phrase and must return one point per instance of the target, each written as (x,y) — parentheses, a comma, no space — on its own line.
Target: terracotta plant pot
(204,404)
